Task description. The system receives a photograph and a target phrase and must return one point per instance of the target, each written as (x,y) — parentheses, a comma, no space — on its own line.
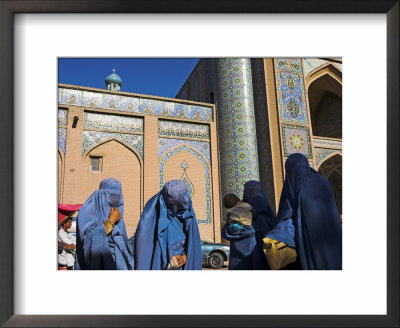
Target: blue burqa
(308,217)
(243,244)
(264,221)
(94,249)
(168,227)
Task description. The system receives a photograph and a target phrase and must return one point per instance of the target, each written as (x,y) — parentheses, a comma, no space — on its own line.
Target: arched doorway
(331,169)
(325,100)
(114,159)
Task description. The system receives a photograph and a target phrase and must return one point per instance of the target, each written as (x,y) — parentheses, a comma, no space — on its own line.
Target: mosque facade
(233,120)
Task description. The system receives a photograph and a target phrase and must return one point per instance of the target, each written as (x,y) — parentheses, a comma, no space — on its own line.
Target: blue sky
(151,76)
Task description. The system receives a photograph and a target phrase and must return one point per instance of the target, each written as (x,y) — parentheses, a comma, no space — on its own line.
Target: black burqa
(307,201)
(265,219)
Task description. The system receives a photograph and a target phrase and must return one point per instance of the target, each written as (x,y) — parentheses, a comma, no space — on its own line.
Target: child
(239,231)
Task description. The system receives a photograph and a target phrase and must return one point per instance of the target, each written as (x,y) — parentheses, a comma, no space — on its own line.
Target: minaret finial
(113,70)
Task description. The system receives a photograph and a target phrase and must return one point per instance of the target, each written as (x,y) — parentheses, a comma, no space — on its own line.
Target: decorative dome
(113,78)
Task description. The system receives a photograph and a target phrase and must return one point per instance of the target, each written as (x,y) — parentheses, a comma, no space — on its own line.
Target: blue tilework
(91,138)
(296,139)
(183,129)
(322,153)
(112,122)
(62,139)
(236,123)
(133,104)
(207,177)
(203,147)
(291,91)
(62,117)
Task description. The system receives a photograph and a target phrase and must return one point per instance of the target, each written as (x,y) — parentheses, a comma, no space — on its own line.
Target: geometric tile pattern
(322,153)
(91,138)
(112,122)
(236,123)
(322,143)
(182,129)
(296,139)
(62,139)
(165,144)
(291,93)
(132,104)
(62,117)
(207,178)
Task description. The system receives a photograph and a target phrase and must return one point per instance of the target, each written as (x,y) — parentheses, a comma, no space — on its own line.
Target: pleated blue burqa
(264,221)
(94,249)
(168,227)
(308,214)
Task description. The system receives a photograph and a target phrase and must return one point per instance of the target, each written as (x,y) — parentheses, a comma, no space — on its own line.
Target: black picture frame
(9,200)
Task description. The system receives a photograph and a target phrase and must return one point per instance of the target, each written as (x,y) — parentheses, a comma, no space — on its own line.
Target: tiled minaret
(236,123)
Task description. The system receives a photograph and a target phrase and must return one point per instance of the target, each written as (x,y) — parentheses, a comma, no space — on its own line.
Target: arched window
(325,100)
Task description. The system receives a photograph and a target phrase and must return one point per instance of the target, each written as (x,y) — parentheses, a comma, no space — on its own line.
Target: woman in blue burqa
(263,222)
(167,236)
(102,243)
(308,217)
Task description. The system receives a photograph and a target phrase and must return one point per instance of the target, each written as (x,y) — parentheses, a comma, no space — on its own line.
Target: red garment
(66,209)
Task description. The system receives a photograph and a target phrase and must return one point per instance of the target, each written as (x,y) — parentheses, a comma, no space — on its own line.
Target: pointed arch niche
(331,169)
(324,87)
(127,167)
(187,164)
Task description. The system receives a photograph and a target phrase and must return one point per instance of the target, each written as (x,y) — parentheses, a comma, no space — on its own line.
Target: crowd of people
(306,233)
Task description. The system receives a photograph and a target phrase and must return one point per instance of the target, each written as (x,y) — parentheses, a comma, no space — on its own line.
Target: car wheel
(216,261)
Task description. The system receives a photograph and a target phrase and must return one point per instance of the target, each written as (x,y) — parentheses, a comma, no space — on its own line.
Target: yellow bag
(278,253)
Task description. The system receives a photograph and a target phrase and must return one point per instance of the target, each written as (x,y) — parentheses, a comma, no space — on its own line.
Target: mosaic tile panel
(112,122)
(203,147)
(62,117)
(236,123)
(62,139)
(296,139)
(182,129)
(291,91)
(327,143)
(312,63)
(207,178)
(321,154)
(133,104)
(91,138)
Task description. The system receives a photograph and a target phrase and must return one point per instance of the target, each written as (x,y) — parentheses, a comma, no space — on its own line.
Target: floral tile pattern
(132,104)
(203,147)
(296,139)
(291,91)
(321,154)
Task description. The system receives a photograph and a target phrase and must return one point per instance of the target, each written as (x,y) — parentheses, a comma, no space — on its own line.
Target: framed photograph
(359,41)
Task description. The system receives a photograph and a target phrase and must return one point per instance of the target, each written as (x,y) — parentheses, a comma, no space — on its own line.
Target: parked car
(213,254)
